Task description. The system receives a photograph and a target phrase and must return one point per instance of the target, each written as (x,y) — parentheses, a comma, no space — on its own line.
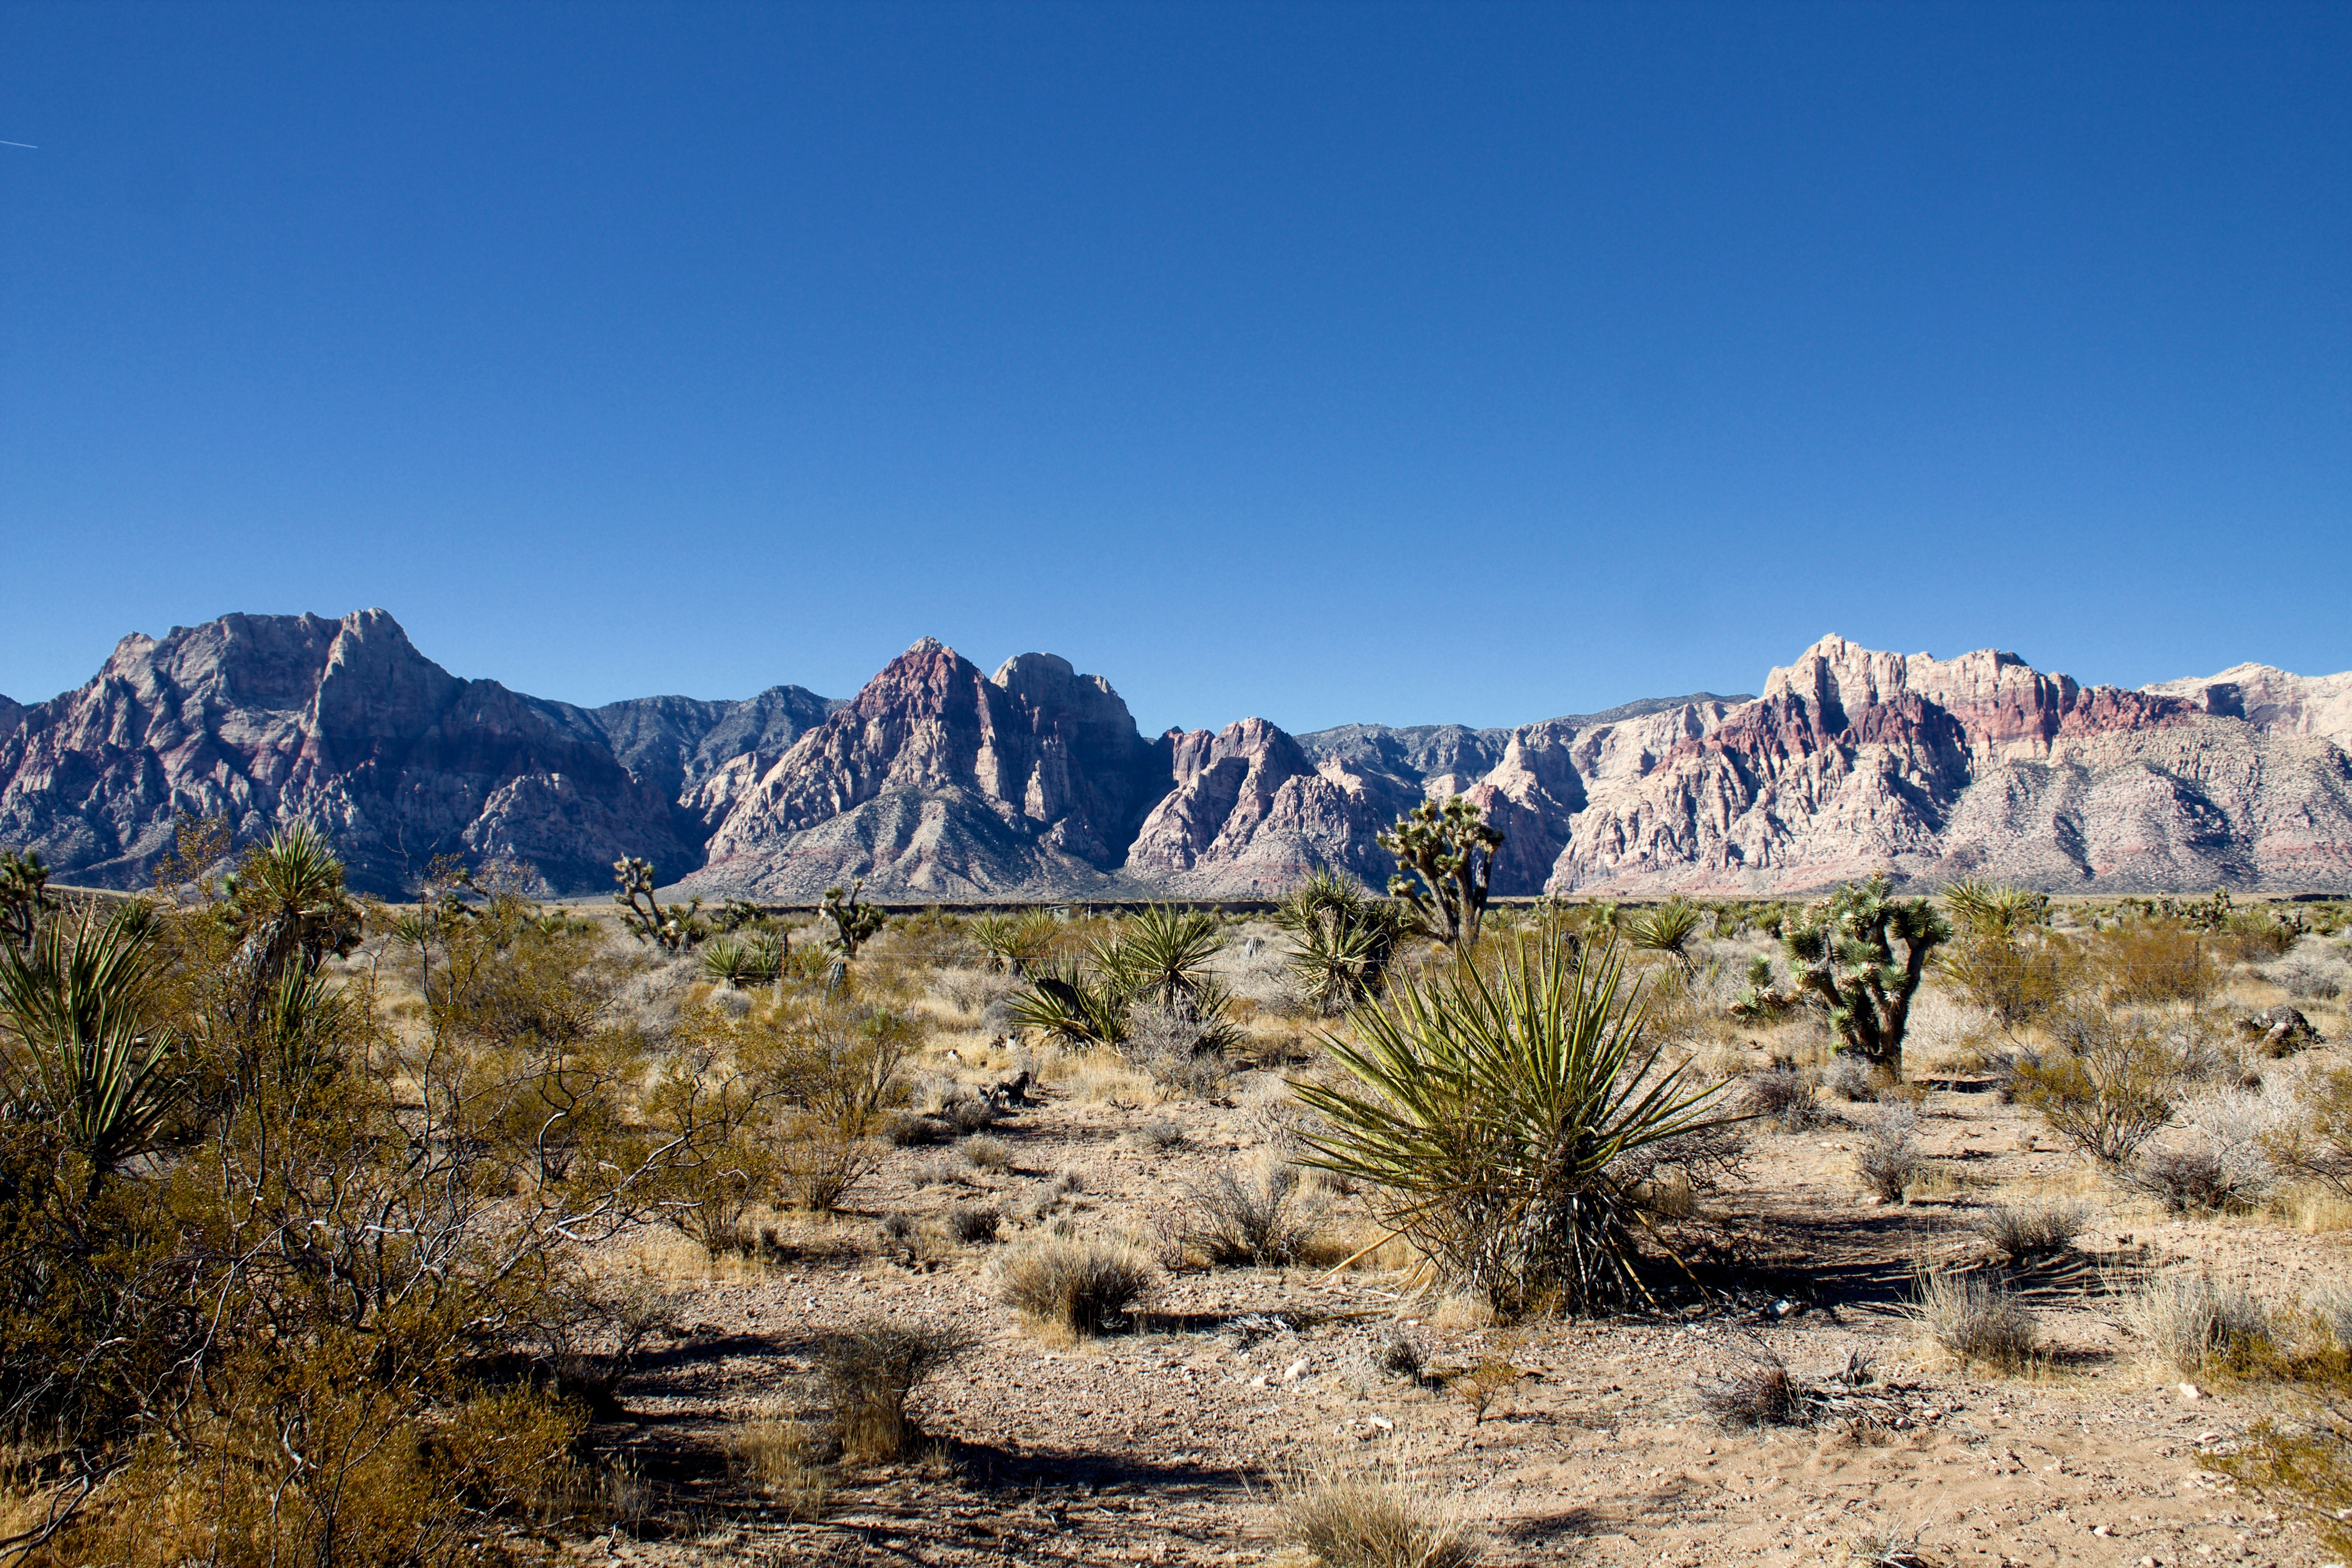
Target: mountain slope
(2274,700)
(1854,761)
(272,718)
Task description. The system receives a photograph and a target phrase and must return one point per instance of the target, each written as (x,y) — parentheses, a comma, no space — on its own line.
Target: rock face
(938,781)
(274,718)
(1854,761)
(2274,700)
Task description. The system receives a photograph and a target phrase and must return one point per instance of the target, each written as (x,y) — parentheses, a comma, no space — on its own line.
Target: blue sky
(1327,363)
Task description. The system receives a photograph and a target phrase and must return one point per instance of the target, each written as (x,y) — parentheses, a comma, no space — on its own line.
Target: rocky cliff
(1854,761)
(273,718)
(940,780)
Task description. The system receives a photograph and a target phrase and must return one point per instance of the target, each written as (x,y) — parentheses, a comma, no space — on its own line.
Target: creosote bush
(2111,1087)
(1082,1286)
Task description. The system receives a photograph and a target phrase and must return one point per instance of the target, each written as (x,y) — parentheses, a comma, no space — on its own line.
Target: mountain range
(939,781)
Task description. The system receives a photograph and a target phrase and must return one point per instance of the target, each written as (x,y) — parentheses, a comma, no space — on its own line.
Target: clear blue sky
(1328,363)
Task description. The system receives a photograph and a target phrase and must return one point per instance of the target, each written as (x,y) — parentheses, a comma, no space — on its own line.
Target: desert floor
(1169,1443)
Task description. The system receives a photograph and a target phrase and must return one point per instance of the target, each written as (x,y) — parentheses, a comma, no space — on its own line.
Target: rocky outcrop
(270,718)
(940,781)
(1854,761)
(2273,701)
(937,780)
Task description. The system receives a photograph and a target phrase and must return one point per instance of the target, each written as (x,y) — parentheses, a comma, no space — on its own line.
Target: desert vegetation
(474,1227)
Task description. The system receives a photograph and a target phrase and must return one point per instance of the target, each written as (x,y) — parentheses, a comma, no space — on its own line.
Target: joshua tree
(676,928)
(24,896)
(852,922)
(1843,953)
(1451,849)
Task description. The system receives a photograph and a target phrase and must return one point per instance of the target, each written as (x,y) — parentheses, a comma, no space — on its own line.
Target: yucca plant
(727,959)
(1667,929)
(1064,1000)
(1346,938)
(81,1054)
(285,898)
(1160,955)
(1995,910)
(1490,1118)
(1016,943)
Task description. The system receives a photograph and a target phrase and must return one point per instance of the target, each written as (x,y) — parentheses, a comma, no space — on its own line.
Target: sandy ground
(1165,1444)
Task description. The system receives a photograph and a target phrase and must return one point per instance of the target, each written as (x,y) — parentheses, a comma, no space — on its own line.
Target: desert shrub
(1016,945)
(984,1153)
(1975,1317)
(778,1457)
(2186,1321)
(1363,1521)
(2304,1467)
(1262,1219)
(1397,1353)
(1783,1097)
(871,1370)
(940,1171)
(2185,1179)
(1758,1391)
(1886,1153)
(1850,1078)
(1083,1287)
(2312,971)
(970,1115)
(907,1131)
(2023,1231)
(1161,1135)
(2152,959)
(972,1223)
(2112,1087)
(1490,1119)
(821,1163)
(1182,1055)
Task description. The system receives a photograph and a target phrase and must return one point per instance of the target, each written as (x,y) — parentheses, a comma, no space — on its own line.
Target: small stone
(1294,1371)
(2191,1392)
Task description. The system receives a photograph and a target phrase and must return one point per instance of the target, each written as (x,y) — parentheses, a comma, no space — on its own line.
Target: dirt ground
(1167,1443)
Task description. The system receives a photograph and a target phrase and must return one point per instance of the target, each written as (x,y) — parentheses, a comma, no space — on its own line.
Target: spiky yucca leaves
(81,1054)
(1844,954)
(1067,1001)
(286,899)
(1667,929)
(1490,1118)
(1992,910)
(1345,937)
(1016,945)
(741,960)
(1450,849)
(675,929)
(1160,955)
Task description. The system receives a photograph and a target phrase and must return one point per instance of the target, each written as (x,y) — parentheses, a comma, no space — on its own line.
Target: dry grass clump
(2022,1231)
(971,1223)
(983,1153)
(1976,1318)
(1368,1521)
(1161,1135)
(778,1458)
(870,1371)
(1758,1392)
(1850,1078)
(1784,1097)
(1261,1219)
(2186,1321)
(1080,1286)
(1398,1354)
(1886,1153)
